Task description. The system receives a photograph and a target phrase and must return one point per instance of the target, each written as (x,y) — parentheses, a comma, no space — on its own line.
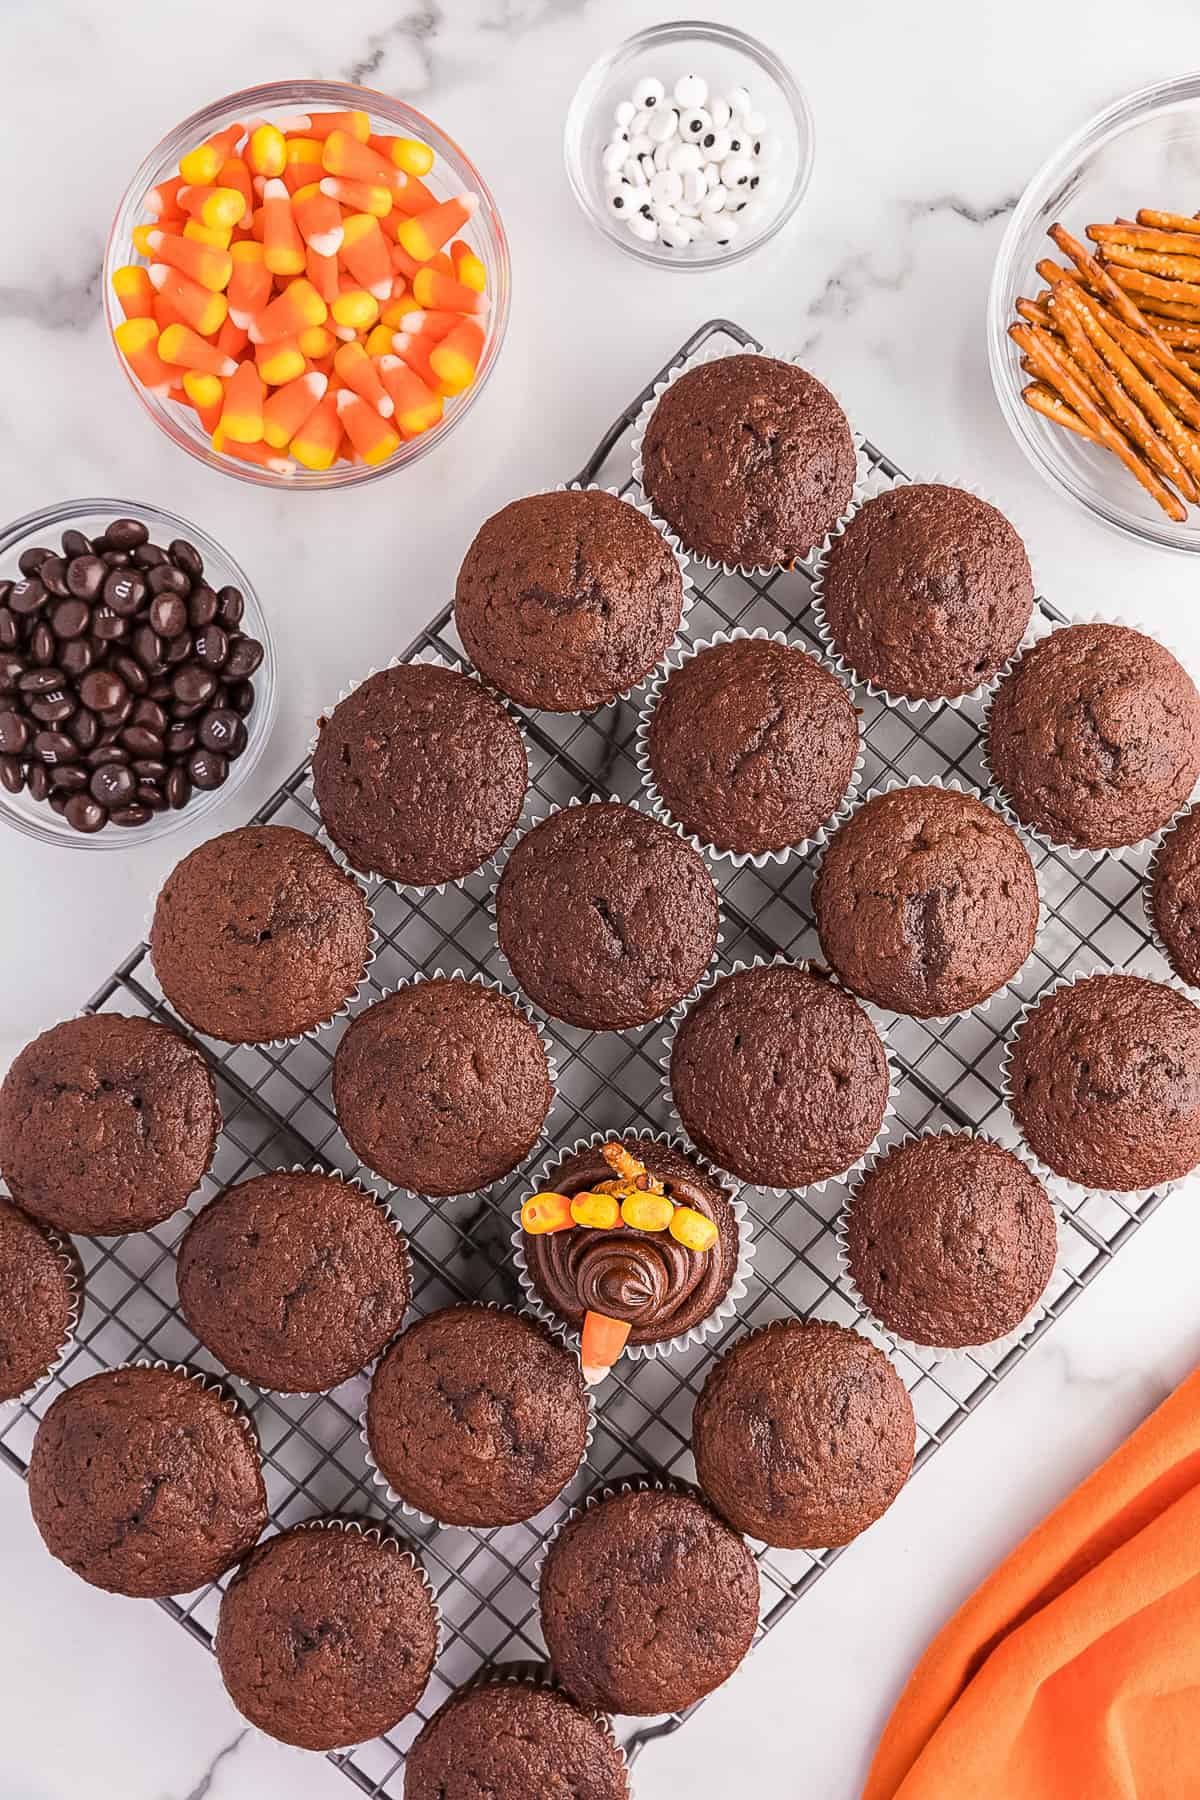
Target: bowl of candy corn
(307,284)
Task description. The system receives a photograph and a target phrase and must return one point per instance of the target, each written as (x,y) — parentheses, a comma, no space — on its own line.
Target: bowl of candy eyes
(689,146)
(307,284)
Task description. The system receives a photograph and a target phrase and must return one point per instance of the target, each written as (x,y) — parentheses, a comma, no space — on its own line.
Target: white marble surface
(929,120)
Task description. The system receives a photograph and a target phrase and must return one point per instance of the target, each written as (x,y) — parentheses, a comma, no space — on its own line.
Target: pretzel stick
(1182,453)
(1103,282)
(1135,281)
(1056,370)
(1168,221)
(1137,237)
(1180,337)
(1181,395)
(1069,307)
(1153,262)
(1036,315)
(1050,272)
(1155,310)
(1052,406)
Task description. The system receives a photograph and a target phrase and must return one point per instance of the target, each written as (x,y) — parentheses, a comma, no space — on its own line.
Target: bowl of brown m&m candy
(137,677)
(307,284)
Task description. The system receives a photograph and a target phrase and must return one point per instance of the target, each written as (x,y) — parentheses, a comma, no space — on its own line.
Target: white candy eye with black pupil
(735,146)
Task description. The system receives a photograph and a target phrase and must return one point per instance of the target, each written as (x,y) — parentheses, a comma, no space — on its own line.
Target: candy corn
(546,1212)
(307,295)
(601,1343)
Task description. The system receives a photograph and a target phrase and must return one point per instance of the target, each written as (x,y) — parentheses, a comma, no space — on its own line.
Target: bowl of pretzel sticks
(1094,317)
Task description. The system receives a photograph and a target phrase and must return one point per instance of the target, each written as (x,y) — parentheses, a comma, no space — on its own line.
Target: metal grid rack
(278,1112)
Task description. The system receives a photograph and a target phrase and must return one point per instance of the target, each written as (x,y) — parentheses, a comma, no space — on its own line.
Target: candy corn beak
(601,1344)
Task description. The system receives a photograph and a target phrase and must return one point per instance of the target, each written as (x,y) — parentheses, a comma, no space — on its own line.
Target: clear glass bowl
(727,59)
(452,173)
(37,818)
(1144,151)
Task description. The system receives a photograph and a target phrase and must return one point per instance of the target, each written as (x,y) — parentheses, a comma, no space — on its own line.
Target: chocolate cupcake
(646,1278)
(442,1087)
(566,600)
(39,1301)
(419,775)
(1103,1079)
(327,1636)
(1173,897)
(950,1240)
(926,901)
(749,459)
(477,1417)
(779,1076)
(649,1602)
(803,1435)
(927,592)
(146,1482)
(107,1124)
(259,936)
(751,745)
(607,918)
(294,1280)
(512,1740)
(1094,738)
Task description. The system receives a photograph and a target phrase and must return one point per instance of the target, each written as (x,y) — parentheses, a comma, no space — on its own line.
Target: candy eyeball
(684,157)
(645,229)
(736,172)
(664,123)
(713,201)
(716,145)
(666,187)
(694,125)
(623,112)
(614,156)
(623,201)
(648,93)
(737,144)
(721,112)
(634,173)
(739,100)
(691,90)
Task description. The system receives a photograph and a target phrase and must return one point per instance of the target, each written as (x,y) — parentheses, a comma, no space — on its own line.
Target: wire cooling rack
(278,1112)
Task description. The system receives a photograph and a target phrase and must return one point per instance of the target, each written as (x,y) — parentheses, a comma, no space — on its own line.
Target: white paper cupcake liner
(381,1206)
(1077,1191)
(510,993)
(299,1037)
(883,484)
(715,353)
(502,864)
(658,806)
(539,1676)
(927,1355)
(72,1267)
(395,1499)
(877,1019)
(433,660)
(725,1309)
(1077,852)
(953,785)
(1148,898)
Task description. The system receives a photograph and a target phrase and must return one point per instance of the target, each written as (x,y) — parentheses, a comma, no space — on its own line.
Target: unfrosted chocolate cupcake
(927,592)
(259,935)
(39,1287)
(607,918)
(144,1482)
(1095,736)
(419,774)
(750,460)
(803,1435)
(1174,897)
(326,1637)
(926,901)
(649,1602)
(951,1240)
(1104,1082)
(107,1124)
(294,1280)
(566,600)
(477,1417)
(645,1277)
(442,1087)
(752,745)
(511,1740)
(779,1076)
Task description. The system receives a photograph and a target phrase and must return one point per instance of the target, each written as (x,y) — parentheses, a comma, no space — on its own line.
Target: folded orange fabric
(1074,1672)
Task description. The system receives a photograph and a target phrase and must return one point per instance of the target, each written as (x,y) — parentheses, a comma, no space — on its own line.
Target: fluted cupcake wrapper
(394,1498)
(954,786)
(1077,1191)
(68,1258)
(658,806)
(502,864)
(298,1037)
(725,1309)
(540,1677)
(510,993)
(714,353)
(1148,896)
(1077,852)
(878,1020)
(884,484)
(431,659)
(928,1356)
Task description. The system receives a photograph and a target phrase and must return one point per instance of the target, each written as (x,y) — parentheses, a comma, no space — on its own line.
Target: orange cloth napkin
(1074,1672)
